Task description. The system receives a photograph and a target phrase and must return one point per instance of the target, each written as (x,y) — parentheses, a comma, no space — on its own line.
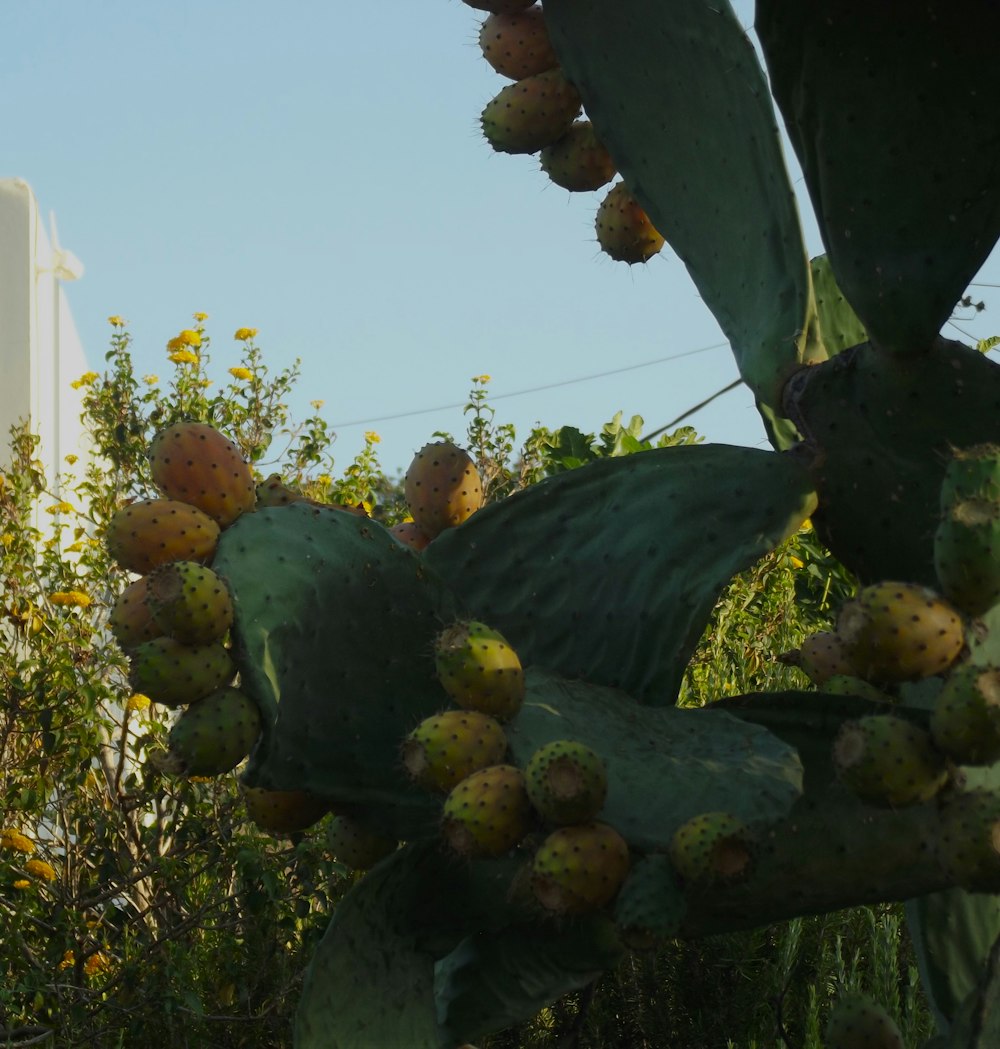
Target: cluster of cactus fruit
(494,687)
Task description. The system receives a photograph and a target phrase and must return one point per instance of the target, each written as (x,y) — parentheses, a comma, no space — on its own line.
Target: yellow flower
(317,404)
(241,373)
(200,779)
(151,380)
(22,883)
(183,356)
(87,379)
(371,437)
(73,598)
(7,538)
(40,869)
(68,961)
(73,548)
(484,379)
(14,839)
(200,317)
(796,563)
(190,338)
(60,508)
(204,383)
(244,334)
(324,480)
(71,458)
(96,963)
(137,701)
(806,525)
(116,321)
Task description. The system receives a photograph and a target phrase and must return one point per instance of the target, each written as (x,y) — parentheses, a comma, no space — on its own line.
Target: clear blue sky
(316,171)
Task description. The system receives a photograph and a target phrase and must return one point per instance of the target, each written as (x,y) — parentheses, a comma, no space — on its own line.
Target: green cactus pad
(644,538)
(677,95)
(908,206)
(354,845)
(333,632)
(651,905)
(839,324)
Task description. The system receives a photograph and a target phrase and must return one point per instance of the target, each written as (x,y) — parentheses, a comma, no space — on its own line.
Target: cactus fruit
(272,491)
(567,782)
(488,813)
(283,811)
(968,846)
(479,670)
(442,750)
(820,657)
(967,554)
(174,674)
(196,464)
(578,161)
(189,602)
(900,632)
(213,735)
(532,113)
(579,869)
(965,721)
(131,621)
(150,532)
(858,1022)
(711,848)
(886,760)
(972,473)
(409,534)
(848,685)
(623,229)
(442,487)
(354,846)
(516,44)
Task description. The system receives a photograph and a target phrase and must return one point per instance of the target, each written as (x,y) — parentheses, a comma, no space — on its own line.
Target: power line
(691,411)
(530,389)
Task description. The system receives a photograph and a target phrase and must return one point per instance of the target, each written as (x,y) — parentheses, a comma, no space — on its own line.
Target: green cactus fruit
(131,621)
(442,750)
(150,532)
(900,632)
(858,1022)
(196,464)
(712,848)
(479,669)
(488,813)
(567,782)
(356,847)
(965,721)
(578,161)
(499,6)
(972,473)
(175,674)
(272,491)
(283,811)
(189,602)
(579,869)
(213,735)
(967,554)
(409,534)
(531,114)
(968,846)
(820,657)
(888,761)
(848,685)
(624,230)
(442,487)
(516,43)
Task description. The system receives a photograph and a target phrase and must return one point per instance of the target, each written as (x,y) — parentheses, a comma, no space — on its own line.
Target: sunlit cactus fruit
(488,813)
(972,473)
(900,632)
(272,491)
(624,230)
(968,846)
(174,674)
(578,161)
(532,113)
(820,657)
(189,602)
(355,846)
(131,621)
(213,735)
(965,721)
(195,463)
(888,761)
(859,1022)
(283,811)
(711,848)
(516,43)
(446,748)
(580,868)
(410,534)
(567,782)
(967,554)
(150,532)
(479,669)
(442,487)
